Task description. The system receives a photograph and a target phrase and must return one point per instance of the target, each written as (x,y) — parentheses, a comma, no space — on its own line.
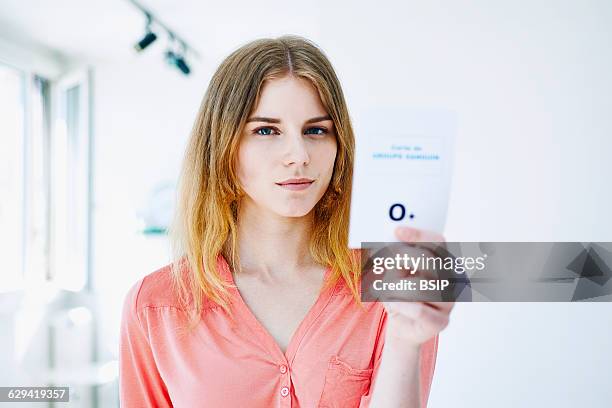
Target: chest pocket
(344,385)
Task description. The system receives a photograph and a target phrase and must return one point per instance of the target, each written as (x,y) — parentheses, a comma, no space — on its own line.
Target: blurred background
(92,133)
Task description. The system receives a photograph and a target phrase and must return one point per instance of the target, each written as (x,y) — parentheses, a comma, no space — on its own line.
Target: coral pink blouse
(331,360)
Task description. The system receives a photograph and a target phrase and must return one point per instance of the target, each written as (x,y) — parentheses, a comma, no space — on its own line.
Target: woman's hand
(415,322)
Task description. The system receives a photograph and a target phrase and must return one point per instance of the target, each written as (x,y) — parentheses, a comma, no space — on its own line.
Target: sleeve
(429,351)
(140,384)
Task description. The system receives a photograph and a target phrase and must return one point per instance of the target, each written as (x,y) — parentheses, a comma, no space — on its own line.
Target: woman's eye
(316,131)
(267,131)
(264,131)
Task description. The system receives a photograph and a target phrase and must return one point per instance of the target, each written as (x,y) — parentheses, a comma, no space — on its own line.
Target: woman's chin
(295,212)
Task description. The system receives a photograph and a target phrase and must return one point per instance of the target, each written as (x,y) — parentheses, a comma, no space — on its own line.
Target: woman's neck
(273,247)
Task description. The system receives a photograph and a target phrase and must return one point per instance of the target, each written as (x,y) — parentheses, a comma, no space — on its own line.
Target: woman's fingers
(443,306)
(423,239)
(415,309)
(409,234)
(419,311)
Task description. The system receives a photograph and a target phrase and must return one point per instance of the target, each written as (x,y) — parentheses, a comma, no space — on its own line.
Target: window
(24,177)
(45,174)
(71,183)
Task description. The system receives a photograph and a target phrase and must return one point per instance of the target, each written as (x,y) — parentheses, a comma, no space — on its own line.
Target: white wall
(144,111)
(531,84)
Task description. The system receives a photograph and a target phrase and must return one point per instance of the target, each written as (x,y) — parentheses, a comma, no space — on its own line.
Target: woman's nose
(296,150)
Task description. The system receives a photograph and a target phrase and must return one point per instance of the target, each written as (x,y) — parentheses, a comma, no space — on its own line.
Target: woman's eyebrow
(319,119)
(262,119)
(275,120)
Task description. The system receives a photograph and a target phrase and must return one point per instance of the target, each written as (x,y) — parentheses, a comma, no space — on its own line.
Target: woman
(261,307)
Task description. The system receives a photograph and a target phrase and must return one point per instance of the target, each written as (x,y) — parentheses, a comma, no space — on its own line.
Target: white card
(402,173)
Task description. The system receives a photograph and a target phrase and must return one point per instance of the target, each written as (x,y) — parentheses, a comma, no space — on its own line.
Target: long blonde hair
(205,222)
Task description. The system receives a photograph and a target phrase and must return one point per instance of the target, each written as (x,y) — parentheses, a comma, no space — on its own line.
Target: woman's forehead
(289,96)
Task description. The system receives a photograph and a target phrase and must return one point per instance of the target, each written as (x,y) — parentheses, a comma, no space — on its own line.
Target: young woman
(261,307)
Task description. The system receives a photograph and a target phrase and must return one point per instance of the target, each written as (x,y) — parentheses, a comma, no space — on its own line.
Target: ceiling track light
(173,57)
(149,37)
(178,61)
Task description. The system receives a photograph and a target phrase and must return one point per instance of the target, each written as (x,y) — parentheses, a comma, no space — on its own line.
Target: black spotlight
(178,61)
(146,41)
(182,65)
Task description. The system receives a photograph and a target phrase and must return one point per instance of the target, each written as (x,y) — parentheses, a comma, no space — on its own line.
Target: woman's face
(289,135)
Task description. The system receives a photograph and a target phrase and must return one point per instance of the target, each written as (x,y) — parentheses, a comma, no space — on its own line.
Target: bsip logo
(397,212)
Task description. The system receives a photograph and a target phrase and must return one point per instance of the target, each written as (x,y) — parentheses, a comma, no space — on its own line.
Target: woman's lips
(296,186)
